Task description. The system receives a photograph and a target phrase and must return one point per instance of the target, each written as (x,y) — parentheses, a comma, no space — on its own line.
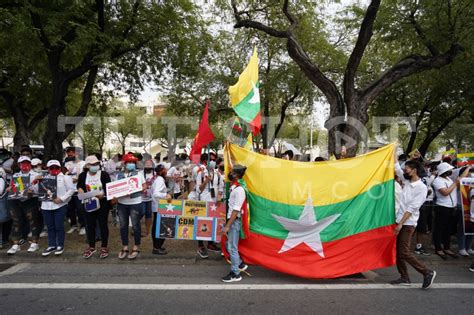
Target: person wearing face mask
(149,175)
(130,207)
(96,209)
(25,211)
(37,165)
(75,213)
(446,191)
(159,191)
(54,211)
(412,198)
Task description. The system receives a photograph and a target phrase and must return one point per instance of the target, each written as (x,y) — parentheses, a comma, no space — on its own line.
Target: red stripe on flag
(357,253)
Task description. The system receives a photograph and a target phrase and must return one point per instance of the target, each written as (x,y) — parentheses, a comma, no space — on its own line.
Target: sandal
(443,256)
(134,254)
(104,253)
(123,254)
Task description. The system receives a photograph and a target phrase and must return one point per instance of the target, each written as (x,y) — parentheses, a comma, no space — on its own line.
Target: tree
(436,30)
(127,124)
(120,43)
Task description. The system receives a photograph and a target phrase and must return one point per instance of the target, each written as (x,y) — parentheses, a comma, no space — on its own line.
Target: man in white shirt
(413,196)
(75,213)
(237,199)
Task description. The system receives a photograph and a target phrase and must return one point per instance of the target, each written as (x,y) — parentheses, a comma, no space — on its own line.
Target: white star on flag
(305,230)
(464,159)
(169,207)
(213,208)
(256,95)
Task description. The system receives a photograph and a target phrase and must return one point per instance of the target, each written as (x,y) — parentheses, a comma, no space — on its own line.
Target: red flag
(203,137)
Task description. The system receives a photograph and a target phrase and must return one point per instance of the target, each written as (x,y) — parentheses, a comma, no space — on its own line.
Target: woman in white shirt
(159,191)
(54,210)
(446,191)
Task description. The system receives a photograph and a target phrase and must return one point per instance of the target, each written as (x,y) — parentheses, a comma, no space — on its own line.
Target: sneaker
(82,231)
(104,253)
(471,269)
(401,281)
(463,253)
(159,251)
(22,242)
(88,252)
(72,229)
(470,252)
(33,247)
(59,251)
(44,234)
(202,252)
(232,277)
(422,251)
(48,251)
(243,266)
(428,279)
(213,248)
(14,249)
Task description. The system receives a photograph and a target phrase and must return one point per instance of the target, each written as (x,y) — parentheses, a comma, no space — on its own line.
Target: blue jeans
(147,211)
(464,241)
(54,220)
(134,212)
(233,246)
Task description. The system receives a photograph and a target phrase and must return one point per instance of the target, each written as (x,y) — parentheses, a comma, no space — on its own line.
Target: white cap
(92,159)
(24,158)
(443,168)
(53,163)
(36,161)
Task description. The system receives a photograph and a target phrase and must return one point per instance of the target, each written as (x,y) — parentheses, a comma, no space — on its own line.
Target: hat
(443,168)
(24,159)
(92,159)
(53,163)
(129,157)
(239,170)
(36,161)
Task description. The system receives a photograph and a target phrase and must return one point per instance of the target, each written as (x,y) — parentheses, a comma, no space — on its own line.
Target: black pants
(101,217)
(444,220)
(75,212)
(157,242)
(6,228)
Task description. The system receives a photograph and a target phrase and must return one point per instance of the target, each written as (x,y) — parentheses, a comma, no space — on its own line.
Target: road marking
(215,287)
(14,269)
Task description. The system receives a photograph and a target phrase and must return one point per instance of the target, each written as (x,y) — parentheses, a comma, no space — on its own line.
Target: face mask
(25,167)
(212,164)
(131,167)
(38,169)
(93,169)
(187,162)
(54,171)
(148,170)
(407,176)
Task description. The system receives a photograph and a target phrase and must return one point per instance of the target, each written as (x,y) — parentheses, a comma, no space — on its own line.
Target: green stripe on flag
(246,110)
(369,210)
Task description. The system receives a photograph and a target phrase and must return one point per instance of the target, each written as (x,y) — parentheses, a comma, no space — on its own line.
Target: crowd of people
(426,193)
(30,217)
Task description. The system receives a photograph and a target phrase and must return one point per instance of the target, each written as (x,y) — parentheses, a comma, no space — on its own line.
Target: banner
(19,187)
(123,187)
(190,220)
(467,198)
(47,188)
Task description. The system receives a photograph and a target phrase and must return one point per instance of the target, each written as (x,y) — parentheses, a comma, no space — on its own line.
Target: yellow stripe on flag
(247,79)
(465,155)
(327,182)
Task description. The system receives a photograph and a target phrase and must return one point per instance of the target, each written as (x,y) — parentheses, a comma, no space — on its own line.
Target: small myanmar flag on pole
(245,95)
(464,159)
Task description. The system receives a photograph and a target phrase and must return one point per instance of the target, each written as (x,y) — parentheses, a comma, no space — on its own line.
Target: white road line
(215,287)
(14,269)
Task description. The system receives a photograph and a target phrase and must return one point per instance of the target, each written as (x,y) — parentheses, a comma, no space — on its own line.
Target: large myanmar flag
(464,159)
(319,220)
(245,96)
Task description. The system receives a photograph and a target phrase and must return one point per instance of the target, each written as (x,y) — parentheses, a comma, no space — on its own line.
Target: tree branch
(405,67)
(365,34)
(421,34)
(289,16)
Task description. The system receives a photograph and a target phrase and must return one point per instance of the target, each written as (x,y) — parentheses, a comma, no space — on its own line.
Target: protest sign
(467,198)
(19,187)
(47,188)
(123,187)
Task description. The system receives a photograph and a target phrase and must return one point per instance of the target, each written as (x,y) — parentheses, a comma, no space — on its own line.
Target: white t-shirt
(429,181)
(236,200)
(218,183)
(93,182)
(65,190)
(126,200)
(413,197)
(159,191)
(450,200)
(201,174)
(149,179)
(174,184)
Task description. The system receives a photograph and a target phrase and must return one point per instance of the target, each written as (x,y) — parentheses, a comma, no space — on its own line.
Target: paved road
(56,286)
